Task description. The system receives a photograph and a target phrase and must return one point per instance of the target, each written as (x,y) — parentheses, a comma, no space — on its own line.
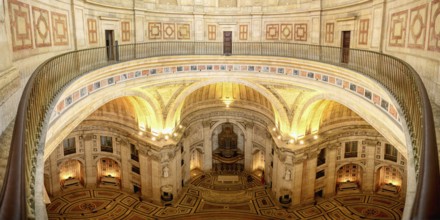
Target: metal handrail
(51,77)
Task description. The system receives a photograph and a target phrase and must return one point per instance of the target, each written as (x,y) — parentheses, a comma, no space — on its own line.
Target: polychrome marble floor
(198,201)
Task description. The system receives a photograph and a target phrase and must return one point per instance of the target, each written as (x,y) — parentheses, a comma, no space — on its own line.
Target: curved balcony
(51,77)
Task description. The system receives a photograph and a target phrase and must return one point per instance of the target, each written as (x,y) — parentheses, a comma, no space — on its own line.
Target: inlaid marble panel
(154,30)
(418,18)
(19,16)
(398,23)
(434,27)
(41,27)
(59,28)
(300,32)
(183,32)
(169,31)
(286,32)
(272,31)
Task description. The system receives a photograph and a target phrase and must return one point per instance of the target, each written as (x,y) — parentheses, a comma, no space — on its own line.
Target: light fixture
(140,133)
(291,141)
(274,129)
(315,137)
(180,126)
(301,142)
(279,137)
(166,137)
(153,138)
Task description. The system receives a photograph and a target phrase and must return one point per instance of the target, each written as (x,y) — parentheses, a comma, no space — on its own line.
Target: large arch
(69,120)
(280,114)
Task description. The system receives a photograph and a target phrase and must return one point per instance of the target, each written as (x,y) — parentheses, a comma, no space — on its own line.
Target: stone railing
(18,193)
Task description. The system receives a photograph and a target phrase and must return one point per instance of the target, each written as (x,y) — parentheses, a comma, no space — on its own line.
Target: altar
(228,178)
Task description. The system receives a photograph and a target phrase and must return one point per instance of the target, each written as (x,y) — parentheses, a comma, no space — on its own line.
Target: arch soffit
(351,162)
(386,126)
(222,121)
(377,167)
(277,105)
(118,161)
(80,160)
(69,120)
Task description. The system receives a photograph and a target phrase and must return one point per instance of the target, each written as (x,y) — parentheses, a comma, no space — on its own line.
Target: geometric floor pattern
(107,203)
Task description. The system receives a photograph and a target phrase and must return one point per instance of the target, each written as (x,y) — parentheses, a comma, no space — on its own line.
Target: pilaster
(207,146)
(330,174)
(126,166)
(90,165)
(248,147)
(309,178)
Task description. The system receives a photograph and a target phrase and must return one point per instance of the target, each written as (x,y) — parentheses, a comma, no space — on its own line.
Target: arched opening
(196,162)
(108,173)
(258,162)
(389,180)
(71,174)
(228,148)
(349,178)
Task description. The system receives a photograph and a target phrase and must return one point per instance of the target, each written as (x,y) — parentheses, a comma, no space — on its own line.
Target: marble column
(308,189)
(330,173)
(207,146)
(248,157)
(126,167)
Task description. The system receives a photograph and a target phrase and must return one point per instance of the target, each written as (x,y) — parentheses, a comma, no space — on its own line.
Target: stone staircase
(5,143)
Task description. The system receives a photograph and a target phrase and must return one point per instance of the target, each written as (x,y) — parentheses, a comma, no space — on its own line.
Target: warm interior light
(153,138)
(227,102)
(175,134)
(291,141)
(274,129)
(315,137)
(279,137)
(166,137)
(180,126)
(301,142)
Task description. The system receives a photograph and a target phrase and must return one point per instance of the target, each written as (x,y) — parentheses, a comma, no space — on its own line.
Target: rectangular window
(390,153)
(351,149)
(125,29)
(135,169)
(107,144)
(92,28)
(69,146)
(243,32)
(134,153)
(363,31)
(320,174)
(212,32)
(321,157)
(329,32)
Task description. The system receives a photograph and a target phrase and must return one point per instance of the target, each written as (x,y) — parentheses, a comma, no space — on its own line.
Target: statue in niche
(227,141)
(166,172)
(287,175)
